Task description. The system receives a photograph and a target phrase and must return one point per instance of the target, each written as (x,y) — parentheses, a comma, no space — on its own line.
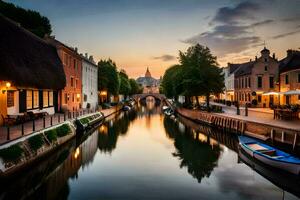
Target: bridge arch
(156,96)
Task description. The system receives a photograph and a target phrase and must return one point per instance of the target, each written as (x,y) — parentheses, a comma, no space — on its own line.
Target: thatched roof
(28,61)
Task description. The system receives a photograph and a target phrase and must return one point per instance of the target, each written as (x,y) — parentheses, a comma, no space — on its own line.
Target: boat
(126,108)
(169,112)
(287,181)
(270,155)
(165,108)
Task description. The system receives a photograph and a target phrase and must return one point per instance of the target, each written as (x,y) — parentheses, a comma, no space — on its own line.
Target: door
(271,103)
(287,100)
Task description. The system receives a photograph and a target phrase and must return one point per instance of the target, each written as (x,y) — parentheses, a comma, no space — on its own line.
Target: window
(45,99)
(76,83)
(266,68)
(65,59)
(271,82)
(286,79)
(35,99)
(266,60)
(72,82)
(74,63)
(298,77)
(10,98)
(73,98)
(242,82)
(29,99)
(66,98)
(299,97)
(259,98)
(259,82)
(51,98)
(249,82)
(70,61)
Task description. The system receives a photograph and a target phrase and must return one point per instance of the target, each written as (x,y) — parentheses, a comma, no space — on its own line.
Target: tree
(125,87)
(172,81)
(201,74)
(135,87)
(29,19)
(108,77)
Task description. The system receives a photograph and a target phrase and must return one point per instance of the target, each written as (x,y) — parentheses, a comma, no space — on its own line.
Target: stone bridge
(156,96)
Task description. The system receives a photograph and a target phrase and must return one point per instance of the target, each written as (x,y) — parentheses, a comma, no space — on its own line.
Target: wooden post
(8,134)
(295,141)
(272,135)
(44,122)
(246,109)
(282,136)
(51,121)
(64,116)
(58,118)
(22,128)
(33,125)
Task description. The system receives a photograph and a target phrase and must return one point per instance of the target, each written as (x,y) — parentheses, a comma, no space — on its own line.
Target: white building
(89,82)
(229,81)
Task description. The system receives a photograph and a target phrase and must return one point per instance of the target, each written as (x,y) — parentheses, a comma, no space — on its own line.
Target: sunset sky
(141,33)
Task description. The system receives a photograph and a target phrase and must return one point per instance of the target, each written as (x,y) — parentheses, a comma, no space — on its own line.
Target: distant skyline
(138,34)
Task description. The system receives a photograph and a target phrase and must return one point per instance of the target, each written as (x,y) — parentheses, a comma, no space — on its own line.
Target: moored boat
(169,112)
(270,155)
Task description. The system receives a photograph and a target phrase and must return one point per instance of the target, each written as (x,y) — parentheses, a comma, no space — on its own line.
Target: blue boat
(270,155)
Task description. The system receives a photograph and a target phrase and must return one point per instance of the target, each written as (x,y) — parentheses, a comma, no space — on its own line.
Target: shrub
(51,135)
(11,153)
(36,142)
(84,121)
(63,130)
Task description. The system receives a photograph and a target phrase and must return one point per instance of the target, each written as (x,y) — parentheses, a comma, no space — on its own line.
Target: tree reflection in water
(200,157)
(110,130)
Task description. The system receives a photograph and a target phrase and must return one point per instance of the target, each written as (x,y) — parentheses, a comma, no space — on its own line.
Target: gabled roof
(290,62)
(244,68)
(26,60)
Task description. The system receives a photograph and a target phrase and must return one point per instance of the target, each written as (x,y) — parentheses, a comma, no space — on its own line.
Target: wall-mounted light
(7,85)
(78,95)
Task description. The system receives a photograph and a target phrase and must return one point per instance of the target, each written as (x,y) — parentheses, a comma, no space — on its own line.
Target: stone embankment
(23,152)
(277,134)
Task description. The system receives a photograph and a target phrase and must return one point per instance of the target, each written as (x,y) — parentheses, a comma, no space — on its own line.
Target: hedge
(51,135)
(63,130)
(36,142)
(11,153)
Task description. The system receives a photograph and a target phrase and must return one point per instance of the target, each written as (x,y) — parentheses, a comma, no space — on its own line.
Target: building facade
(229,81)
(254,80)
(150,84)
(290,78)
(71,96)
(89,82)
(30,75)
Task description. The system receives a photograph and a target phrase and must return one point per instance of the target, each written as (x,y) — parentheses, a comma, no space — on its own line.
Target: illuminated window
(29,99)
(10,98)
(45,99)
(72,82)
(66,98)
(35,99)
(51,98)
(259,82)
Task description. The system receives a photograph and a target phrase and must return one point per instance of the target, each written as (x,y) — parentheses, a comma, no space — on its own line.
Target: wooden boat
(169,112)
(165,108)
(270,155)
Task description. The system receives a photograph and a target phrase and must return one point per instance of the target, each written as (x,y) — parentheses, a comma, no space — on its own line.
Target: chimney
(273,55)
(86,55)
(91,58)
(76,49)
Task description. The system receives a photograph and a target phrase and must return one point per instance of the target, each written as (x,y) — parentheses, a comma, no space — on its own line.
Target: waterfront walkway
(17,131)
(259,115)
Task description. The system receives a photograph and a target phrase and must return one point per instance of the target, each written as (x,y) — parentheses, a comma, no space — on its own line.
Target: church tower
(148,74)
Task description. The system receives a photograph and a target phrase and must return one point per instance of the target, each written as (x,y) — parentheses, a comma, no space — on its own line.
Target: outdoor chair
(8,121)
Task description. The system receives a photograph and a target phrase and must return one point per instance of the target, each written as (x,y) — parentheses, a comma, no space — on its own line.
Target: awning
(272,93)
(292,92)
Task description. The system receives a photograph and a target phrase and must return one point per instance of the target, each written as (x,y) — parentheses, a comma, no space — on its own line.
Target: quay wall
(286,136)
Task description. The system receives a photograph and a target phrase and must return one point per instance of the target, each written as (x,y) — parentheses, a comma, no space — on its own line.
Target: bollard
(44,122)
(238,112)
(51,121)
(246,109)
(64,116)
(58,118)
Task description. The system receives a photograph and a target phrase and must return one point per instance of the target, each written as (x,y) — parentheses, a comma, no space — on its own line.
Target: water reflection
(194,150)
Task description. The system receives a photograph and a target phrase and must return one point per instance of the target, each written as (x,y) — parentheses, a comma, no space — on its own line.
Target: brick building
(71,96)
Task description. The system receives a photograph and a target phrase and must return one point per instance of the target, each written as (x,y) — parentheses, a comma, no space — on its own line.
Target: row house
(229,74)
(70,97)
(289,69)
(31,73)
(89,82)
(254,79)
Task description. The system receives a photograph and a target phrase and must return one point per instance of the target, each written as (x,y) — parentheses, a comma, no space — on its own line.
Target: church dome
(148,74)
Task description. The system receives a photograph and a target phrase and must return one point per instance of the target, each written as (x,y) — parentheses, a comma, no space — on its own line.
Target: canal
(141,154)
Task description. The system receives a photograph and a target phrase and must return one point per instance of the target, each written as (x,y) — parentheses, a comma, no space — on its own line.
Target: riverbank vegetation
(197,74)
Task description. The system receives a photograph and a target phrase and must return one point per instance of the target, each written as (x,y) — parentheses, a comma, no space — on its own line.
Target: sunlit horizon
(141,34)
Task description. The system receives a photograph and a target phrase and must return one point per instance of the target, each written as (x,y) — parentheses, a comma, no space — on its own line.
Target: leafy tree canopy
(108,77)
(125,87)
(29,19)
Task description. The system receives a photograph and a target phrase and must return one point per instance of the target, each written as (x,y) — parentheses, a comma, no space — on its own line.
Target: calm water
(143,155)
